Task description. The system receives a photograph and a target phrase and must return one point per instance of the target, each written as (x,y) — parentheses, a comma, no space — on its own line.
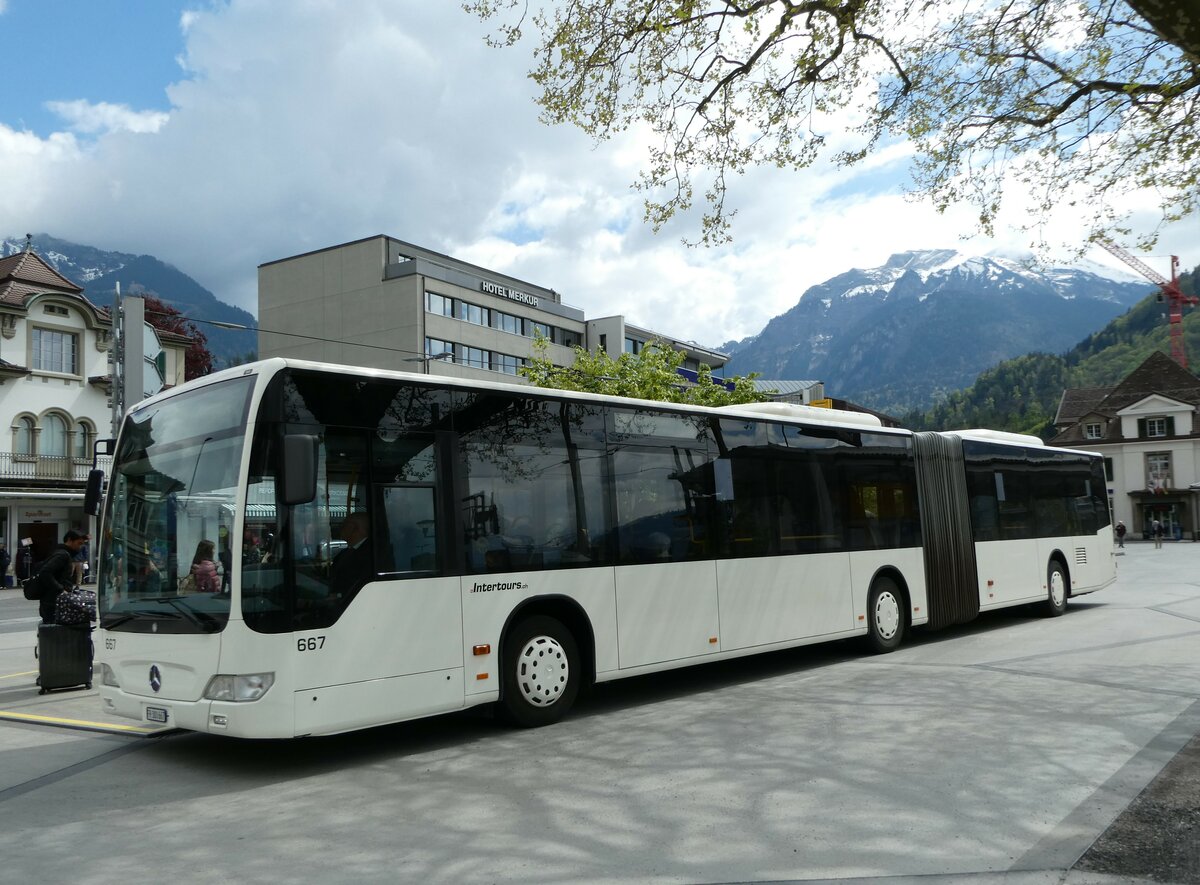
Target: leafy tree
(651,374)
(198,360)
(1080,100)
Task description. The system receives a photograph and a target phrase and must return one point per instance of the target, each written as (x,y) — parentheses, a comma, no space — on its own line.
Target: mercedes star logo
(155,677)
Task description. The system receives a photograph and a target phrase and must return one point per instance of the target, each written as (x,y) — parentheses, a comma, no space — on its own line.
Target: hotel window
(439,304)
(1158,471)
(473,313)
(55,351)
(567,338)
(632,345)
(473,356)
(503,362)
(1092,431)
(56,310)
(533,330)
(506,322)
(437,348)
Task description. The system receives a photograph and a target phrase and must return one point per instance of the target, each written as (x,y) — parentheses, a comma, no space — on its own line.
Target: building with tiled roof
(54,393)
(1148,429)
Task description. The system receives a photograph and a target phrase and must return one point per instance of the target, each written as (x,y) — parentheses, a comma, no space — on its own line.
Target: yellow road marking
(14,675)
(58,720)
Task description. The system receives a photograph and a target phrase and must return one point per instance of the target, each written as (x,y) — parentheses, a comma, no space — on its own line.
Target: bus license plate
(156,714)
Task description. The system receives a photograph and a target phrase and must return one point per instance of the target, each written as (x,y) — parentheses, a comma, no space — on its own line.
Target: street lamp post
(426,360)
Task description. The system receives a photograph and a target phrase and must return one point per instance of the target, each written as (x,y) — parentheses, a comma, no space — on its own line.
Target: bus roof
(783,411)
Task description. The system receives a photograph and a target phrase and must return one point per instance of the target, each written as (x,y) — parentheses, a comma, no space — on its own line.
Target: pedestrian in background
(1156,529)
(81,557)
(5,561)
(1120,534)
(24,566)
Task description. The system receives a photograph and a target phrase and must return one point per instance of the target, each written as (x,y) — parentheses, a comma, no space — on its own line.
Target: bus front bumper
(256,719)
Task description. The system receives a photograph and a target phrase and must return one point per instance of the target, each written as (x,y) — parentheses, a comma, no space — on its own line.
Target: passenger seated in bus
(355,565)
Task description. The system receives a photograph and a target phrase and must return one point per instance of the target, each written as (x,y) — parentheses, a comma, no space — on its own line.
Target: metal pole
(117,362)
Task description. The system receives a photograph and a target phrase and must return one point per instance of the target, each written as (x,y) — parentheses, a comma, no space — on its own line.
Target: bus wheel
(541,672)
(885,615)
(1056,590)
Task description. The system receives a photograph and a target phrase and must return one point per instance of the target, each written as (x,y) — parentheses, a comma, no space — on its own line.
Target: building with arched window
(54,399)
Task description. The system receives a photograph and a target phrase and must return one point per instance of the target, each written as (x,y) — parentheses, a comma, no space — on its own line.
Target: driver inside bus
(355,565)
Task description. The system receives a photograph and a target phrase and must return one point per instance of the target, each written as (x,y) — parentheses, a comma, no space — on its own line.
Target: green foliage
(649,374)
(1022,394)
(1078,102)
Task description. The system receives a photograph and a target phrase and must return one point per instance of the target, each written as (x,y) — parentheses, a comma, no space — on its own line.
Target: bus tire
(542,672)
(885,616)
(1056,590)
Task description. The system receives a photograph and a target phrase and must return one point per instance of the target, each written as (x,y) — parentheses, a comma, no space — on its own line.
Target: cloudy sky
(220,134)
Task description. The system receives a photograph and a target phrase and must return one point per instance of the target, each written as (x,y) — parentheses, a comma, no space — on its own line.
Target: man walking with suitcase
(57,573)
(64,652)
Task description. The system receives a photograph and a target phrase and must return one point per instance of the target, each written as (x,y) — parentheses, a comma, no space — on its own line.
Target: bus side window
(407,534)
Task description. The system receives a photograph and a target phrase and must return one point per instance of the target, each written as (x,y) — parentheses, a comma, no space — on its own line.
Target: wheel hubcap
(1058,589)
(887,615)
(542,671)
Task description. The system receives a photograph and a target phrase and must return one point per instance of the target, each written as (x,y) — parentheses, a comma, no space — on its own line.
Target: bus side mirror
(91,495)
(299,468)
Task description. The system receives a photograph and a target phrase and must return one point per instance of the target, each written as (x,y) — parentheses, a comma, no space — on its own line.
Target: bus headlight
(245,687)
(108,677)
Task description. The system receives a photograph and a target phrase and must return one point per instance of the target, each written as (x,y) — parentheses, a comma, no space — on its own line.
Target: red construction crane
(1170,291)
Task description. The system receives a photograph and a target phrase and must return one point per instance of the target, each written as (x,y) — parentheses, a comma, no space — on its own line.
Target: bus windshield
(165,557)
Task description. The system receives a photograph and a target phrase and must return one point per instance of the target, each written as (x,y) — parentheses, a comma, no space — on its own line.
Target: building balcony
(53,470)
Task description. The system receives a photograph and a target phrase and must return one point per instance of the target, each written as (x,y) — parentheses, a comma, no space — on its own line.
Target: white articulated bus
(390,546)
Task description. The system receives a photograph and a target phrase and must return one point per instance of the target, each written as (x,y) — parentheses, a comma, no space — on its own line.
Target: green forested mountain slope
(1022,394)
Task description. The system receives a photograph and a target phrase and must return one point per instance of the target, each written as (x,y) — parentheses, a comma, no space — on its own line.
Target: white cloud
(89,119)
(299,124)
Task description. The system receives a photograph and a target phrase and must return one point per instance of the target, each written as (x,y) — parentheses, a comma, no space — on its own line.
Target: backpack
(32,586)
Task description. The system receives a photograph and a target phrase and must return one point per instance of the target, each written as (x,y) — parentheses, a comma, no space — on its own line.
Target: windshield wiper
(140,613)
(117,620)
(206,622)
(203,620)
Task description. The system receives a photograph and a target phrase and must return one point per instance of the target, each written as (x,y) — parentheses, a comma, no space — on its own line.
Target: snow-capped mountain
(895,337)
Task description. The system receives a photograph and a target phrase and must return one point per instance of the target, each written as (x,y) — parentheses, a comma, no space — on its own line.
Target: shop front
(31,530)
(1175,509)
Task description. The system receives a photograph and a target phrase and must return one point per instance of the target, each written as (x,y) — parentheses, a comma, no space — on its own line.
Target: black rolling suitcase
(64,657)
